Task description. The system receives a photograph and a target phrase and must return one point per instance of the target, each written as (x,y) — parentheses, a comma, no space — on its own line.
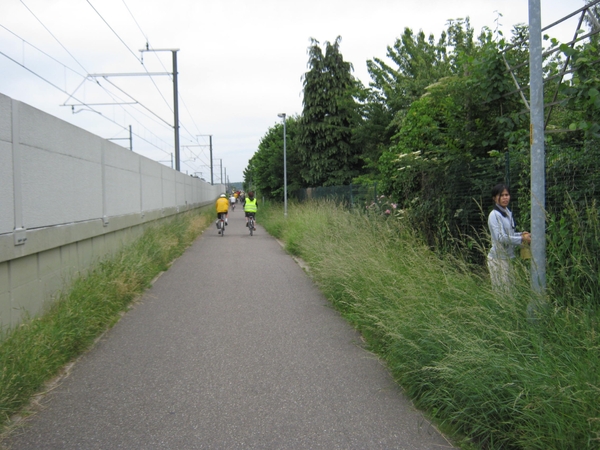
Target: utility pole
(282,115)
(538,175)
(176,110)
(175,100)
(130,139)
(212,180)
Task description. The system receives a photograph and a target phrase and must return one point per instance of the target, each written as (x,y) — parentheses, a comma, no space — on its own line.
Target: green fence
(352,196)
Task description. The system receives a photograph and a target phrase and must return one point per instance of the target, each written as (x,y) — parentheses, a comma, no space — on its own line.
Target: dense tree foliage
(328,117)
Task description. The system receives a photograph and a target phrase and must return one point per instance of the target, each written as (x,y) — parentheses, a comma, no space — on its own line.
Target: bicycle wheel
(222,227)
(251,225)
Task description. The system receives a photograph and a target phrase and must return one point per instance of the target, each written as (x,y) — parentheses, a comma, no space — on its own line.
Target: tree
(415,62)
(329,114)
(265,169)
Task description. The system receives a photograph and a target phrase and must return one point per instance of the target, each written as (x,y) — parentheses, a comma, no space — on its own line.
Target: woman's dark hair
(499,189)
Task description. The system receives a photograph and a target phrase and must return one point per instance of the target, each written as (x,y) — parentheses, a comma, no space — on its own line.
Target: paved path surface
(232,348)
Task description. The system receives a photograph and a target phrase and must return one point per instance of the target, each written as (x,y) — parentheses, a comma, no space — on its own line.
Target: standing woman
(504,237)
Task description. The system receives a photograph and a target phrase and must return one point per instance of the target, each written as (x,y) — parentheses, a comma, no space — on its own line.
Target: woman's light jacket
(503,234)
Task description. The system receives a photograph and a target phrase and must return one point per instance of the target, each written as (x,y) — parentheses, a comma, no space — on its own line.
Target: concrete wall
(68,198)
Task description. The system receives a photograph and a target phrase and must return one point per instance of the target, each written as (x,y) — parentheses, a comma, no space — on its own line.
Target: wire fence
(351,196)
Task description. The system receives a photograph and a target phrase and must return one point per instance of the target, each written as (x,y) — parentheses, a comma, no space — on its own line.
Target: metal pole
(221,165)
(282,115)
(538,175)
(212,180)
(175,97)
(176,110)
(284,169)
(130,139)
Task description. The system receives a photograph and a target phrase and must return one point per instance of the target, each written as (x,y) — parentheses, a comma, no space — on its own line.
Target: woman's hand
(526,237)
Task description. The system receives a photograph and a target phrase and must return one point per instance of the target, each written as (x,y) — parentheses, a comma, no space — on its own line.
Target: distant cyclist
(222,209)
(250,207)
(232,201)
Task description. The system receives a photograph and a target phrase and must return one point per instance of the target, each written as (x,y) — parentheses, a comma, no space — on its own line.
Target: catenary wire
(55,38)
(136,22)
(114,32)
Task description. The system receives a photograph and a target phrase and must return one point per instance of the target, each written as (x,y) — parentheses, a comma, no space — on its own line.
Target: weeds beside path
(35,352)
(470,357)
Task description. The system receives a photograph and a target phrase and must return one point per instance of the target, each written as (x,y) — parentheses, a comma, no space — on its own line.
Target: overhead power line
(136,22)
(42,52)
(55,38)
(114,32)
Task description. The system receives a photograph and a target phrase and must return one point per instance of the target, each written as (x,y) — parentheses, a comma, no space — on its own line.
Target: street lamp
(282,115)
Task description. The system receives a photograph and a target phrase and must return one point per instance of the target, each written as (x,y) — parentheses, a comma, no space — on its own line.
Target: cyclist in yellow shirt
(222,208)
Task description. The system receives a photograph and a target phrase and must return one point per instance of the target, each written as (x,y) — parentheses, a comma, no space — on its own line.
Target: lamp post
(282,115)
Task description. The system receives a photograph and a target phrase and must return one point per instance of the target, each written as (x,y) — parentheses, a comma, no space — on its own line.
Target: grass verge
(34,352)
(471,358)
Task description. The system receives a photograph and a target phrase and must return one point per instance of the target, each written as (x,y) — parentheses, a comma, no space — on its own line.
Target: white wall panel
(7,207)
(180,182)
(151,185)
(5,118)
(169,192)
(42,130)
(59,189)
(122,189)
(122,185)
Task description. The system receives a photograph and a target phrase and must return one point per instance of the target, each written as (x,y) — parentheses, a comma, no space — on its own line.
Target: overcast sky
(240,62)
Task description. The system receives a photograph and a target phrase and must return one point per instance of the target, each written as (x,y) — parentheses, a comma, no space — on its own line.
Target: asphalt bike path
(232,348)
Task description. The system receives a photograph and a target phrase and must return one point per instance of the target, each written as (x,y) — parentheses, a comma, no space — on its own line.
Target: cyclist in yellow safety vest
(222,208)
(250,207)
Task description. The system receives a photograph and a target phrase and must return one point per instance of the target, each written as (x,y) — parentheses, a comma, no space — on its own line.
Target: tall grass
(467,355)
(34,352)
(573,238)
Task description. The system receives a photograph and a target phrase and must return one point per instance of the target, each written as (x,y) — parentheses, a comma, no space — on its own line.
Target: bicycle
(251,223)
(221,224)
